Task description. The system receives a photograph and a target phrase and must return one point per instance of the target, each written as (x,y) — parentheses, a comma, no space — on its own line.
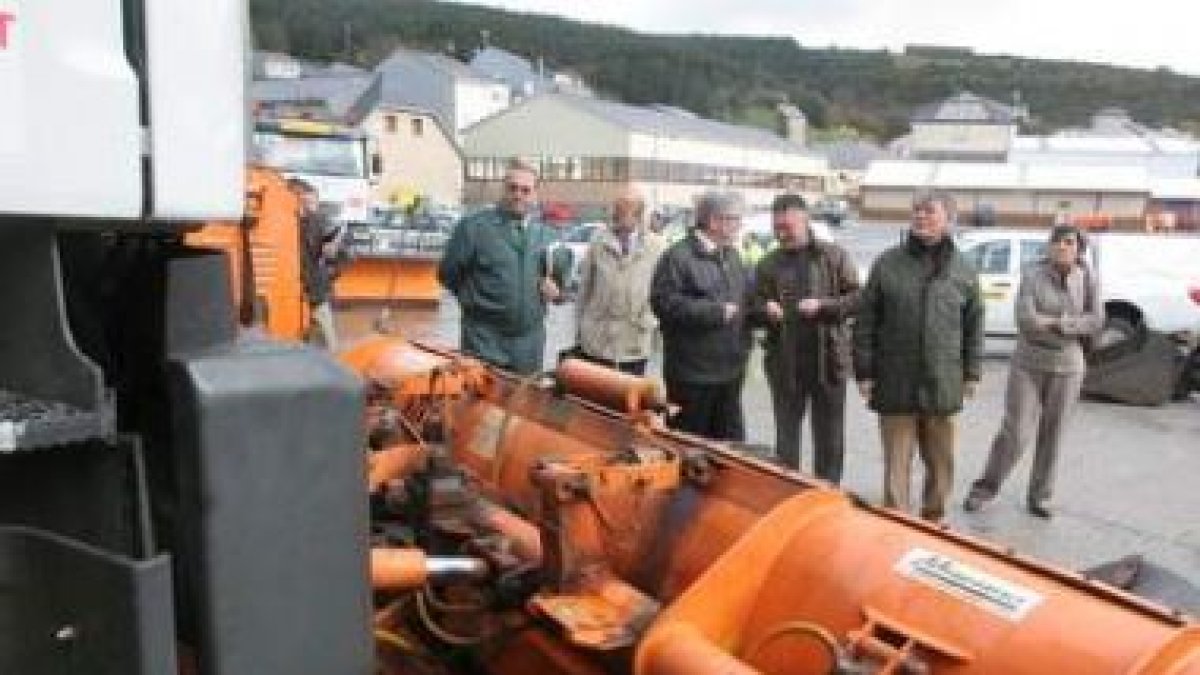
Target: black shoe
(933,517)
(973,503)
(1041,511)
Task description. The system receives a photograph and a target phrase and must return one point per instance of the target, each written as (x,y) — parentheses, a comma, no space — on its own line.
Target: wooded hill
(739,79)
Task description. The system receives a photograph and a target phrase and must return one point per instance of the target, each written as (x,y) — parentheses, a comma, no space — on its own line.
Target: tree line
(738,79)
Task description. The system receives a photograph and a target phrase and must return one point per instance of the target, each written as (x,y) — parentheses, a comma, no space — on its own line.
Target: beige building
(417,156)
(962,128)
(589,150)
(1115,172)
(413,153)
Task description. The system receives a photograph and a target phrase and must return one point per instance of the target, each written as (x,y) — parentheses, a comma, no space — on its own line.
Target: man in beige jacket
(616,324)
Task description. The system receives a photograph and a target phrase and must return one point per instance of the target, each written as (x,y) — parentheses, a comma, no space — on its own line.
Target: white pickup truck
(1145,279)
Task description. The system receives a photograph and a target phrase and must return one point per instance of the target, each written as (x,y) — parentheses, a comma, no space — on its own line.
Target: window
(620,168)
(390,124)
(1032,251)
(990,257)
(322,155)
(418,127)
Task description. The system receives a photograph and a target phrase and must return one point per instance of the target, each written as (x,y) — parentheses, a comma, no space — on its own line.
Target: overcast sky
(1144,33)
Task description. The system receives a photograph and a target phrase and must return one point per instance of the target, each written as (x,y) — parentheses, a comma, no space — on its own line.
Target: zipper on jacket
(926,286)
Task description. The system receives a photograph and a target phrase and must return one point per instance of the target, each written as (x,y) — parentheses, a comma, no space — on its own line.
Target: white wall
(475,100)
(960,139)
(1158,165)
(666,148)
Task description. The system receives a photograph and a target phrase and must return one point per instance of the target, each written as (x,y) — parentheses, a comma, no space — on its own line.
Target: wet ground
(1128,477)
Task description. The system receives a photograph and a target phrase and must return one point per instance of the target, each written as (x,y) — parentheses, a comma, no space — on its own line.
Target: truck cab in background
(333,158)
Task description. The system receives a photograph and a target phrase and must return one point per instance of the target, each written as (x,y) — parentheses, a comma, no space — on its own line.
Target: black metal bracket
(50,392)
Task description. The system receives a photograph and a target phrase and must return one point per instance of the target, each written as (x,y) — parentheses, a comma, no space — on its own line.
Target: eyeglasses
(518,188)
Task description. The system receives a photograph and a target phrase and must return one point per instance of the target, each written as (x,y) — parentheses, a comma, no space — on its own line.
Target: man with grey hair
(699,294)
(918,351)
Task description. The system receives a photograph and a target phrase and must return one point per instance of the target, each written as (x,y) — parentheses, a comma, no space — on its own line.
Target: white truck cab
(332,158)
(100,121)
(1144,278)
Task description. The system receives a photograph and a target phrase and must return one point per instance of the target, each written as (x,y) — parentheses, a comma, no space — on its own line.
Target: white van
(1144,278)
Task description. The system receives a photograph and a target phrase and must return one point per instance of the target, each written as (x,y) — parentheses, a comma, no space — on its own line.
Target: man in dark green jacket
(918,346)
(805,291)
(502,267)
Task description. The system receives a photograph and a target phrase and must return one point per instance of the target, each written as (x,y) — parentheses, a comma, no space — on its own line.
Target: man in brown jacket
(616,324)
(804,292)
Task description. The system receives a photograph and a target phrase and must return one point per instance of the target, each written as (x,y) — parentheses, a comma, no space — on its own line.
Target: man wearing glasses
(500,266)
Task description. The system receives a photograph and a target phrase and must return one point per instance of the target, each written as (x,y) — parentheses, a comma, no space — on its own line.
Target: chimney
(793,123)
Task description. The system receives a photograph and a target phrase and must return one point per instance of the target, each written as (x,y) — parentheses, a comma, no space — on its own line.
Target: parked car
(577,238)
(1144,278)
(832,210)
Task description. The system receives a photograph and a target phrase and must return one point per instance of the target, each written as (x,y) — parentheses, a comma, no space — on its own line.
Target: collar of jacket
(704,246)
(509,218)
(608,239)
(1050,271)
(940,250)
(812,247)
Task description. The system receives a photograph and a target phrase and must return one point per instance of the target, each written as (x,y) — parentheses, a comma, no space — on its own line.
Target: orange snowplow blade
(409,279)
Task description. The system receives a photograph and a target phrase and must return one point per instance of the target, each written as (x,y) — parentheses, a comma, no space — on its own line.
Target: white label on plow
(998,596)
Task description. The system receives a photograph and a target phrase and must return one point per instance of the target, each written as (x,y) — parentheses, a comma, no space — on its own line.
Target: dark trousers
(828,423)
(710,410)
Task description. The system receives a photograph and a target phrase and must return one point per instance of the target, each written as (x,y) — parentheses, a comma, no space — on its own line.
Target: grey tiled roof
(445,64)
(338,93)
(849,155)
(496,62)
(516,71)
(674,122)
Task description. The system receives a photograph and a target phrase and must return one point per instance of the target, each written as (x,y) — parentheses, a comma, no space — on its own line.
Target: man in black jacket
(699,294)
(804,293)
